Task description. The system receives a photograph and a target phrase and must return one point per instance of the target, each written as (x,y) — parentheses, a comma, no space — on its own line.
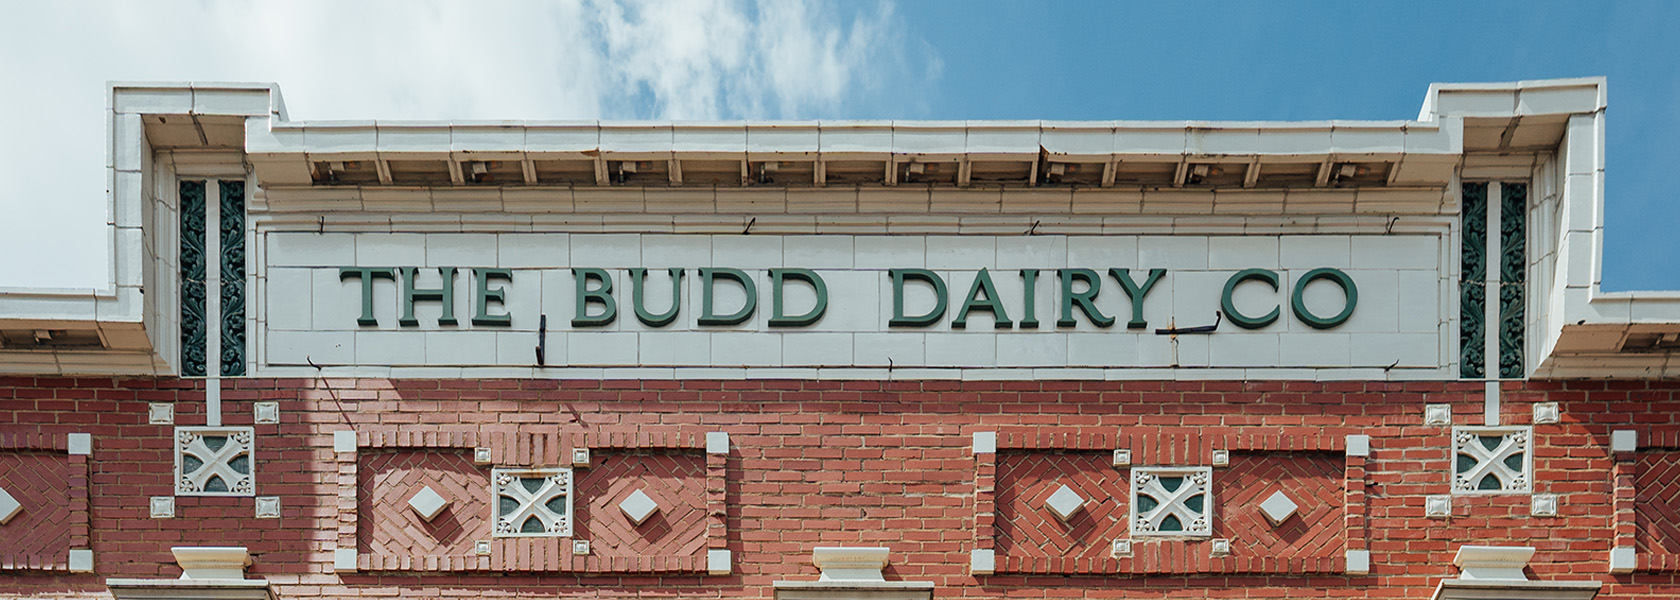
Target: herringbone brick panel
(1657,503)
(1025,525)
(40,482)
(388,526)
(675,481)
(1314,481)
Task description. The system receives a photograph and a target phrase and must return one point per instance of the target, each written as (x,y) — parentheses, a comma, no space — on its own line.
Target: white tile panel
(460,250)
(817,349)
(747,252)
(598,348)
(516,250)
(1314,251)
(962,349)
(303,347)
(450,348)
(311,249)
(960,252)
(745,349)
(818,251)
(676,348)
(888,349)
(391,347)
(296,311)
(391,250)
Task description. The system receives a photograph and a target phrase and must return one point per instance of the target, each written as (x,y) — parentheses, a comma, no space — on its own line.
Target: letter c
(1230,307)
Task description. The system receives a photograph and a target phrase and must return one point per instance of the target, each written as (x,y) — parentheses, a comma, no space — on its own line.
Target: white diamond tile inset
(1064,503)
(532,502)
(1172,501)
(427,503)
(214,461)
(9,507)
(1278,507)
(638,507)
(1492,460)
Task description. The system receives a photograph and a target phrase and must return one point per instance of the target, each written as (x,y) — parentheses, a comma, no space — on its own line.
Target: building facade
(845,360)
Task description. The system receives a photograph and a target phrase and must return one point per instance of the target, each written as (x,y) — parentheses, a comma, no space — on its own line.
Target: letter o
(1297,300)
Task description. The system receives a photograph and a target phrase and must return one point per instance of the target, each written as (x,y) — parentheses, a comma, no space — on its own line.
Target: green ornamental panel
(1513,276)
(233,277)
(193,325)
(1472,282)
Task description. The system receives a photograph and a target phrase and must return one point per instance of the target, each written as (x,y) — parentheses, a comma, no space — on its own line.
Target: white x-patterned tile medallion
(532,502)
(1493,460)
(215,461)
(1172,501)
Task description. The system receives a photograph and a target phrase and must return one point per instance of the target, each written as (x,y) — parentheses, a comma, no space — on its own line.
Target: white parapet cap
(212,562)
(850,564)
(853,573)
(206,572)
(1497,572)
(1493,562)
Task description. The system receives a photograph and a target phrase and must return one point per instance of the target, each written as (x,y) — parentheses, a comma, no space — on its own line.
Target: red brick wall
(867,463)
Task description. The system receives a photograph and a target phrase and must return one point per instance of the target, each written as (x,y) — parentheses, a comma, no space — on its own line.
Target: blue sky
(1326,60)
(731,59)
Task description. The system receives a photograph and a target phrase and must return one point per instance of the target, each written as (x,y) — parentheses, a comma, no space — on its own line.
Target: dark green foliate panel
(1513,276)
(233,278)
(193,325)
(1472,286)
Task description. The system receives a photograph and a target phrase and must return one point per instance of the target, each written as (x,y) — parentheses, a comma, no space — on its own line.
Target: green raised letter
(601,295)
(1230,306)
(777,276)
(983,285)
(1029,298)
(940,300)
(637,275)
(740,316)
(367,275)
(1136,292)
(445,294)
(1086,300)
(483,295)
(1298,300)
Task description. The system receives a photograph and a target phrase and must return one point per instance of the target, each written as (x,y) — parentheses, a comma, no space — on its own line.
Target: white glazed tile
(311,249)
(295,311)
(738,348)
(516,250)
(599,348)
(460,348)
(390,348)
(390,249)
(961,350)
(460,250)
(817,349)
(606,251)
(890,252)
(1314,251)
(747,252)
(817,251)
(1173,252)
(960,252)
(889,349)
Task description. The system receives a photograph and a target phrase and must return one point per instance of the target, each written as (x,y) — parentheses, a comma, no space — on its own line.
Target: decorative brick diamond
(1278,507)
(532,502)
(638,507)
(427,503)
(9,507)
(1064,503)
(214,461)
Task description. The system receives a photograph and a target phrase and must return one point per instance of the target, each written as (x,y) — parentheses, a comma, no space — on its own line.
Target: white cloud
(573,59)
